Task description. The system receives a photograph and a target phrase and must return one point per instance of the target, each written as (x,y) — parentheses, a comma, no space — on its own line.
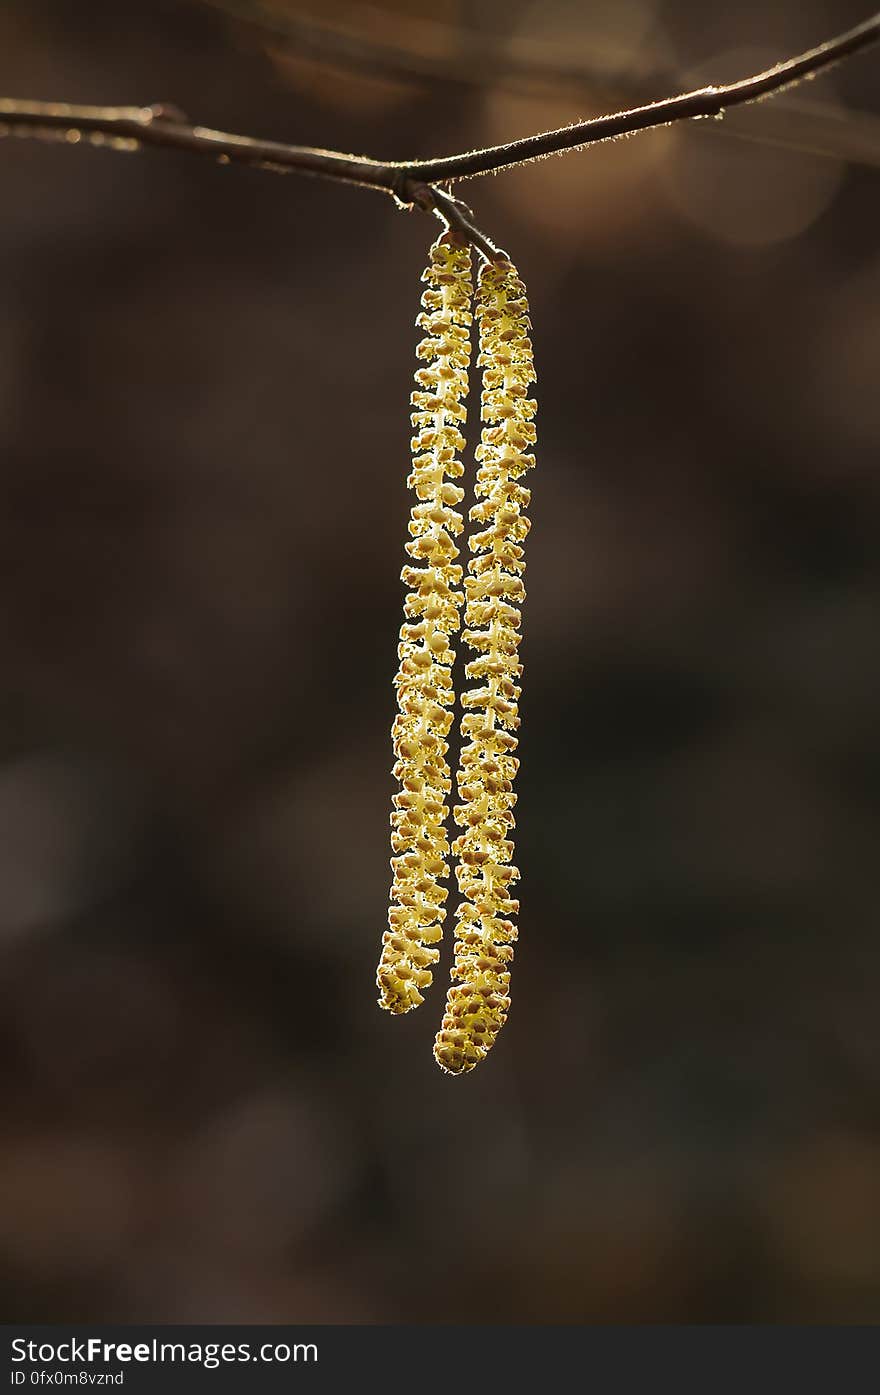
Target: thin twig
(165,126)
(705,102)
(462,59)
(457,217)
(154,126)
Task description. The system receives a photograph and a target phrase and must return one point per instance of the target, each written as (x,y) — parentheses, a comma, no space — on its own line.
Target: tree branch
(459,58)
(410,181)
(705,102)
(166,126)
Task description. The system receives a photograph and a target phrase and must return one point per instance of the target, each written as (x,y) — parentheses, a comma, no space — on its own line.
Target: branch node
(406,191)
(167,111)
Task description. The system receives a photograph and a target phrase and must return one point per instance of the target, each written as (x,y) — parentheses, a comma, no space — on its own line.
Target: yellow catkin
(433,603)
(478,1001)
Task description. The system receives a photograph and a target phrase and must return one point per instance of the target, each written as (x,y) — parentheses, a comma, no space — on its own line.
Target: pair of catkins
(478,999)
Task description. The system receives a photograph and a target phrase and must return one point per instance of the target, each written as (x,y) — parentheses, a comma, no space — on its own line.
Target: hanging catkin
(477,1003)
(432,606)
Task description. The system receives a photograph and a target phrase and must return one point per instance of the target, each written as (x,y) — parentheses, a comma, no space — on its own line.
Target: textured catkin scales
(432,607)
(477,1003)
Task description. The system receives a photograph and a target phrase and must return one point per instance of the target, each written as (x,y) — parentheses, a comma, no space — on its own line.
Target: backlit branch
(410,181)
(458,59)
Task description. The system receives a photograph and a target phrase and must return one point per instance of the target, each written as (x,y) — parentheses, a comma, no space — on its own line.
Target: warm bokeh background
(203,440)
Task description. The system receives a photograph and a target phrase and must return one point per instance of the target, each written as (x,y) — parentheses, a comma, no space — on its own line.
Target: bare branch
(460,59)
(705,102)
(163,126)
(411,182)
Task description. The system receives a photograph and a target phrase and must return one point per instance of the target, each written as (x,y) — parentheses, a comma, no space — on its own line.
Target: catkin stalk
(478,1000)
(433,609)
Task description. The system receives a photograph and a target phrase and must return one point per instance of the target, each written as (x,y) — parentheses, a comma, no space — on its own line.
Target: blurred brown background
(203,441)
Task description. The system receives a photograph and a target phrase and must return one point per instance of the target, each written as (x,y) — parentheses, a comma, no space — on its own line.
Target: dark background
(204,435)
